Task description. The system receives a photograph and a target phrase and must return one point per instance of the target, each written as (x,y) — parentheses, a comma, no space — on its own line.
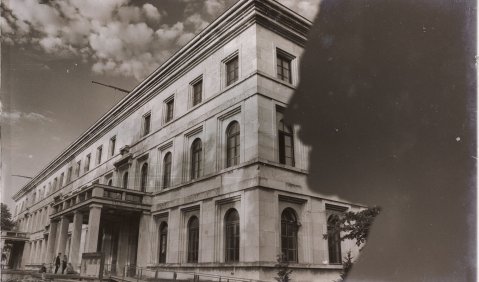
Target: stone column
(51,241)
(76,237)
(143,252)
(93,228)
(63,235)
(26,253)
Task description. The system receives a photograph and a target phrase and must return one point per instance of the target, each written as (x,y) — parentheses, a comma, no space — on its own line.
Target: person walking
(43,270)
(64,263)
(57,262)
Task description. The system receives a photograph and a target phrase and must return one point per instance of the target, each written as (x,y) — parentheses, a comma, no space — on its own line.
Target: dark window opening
(193,239)
(233,144)
(289,235)
(232,236)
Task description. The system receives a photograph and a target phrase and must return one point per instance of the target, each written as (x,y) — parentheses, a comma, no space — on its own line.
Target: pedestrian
(64,263)
(57,262)
(43,270)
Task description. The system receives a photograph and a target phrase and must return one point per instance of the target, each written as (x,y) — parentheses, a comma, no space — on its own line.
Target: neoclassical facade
(195,169)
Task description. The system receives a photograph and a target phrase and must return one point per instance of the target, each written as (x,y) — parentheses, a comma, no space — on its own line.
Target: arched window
(193,239)
(289,235)
(285,140)
(232,144)
(125,180)
(110,182)
(167,170)
(334,240)
(163,242)
(144,177)
(232,236)
(196,151)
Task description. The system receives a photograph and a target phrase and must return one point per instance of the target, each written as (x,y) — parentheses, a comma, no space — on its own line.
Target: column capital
(95,206)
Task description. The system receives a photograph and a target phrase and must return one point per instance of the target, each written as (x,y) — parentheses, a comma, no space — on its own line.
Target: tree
(352,226)
(283,270)
(6,217)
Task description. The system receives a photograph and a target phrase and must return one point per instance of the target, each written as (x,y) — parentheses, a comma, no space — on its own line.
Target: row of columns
(59,235)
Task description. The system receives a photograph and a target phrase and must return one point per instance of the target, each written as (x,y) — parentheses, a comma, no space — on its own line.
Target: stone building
(195,169)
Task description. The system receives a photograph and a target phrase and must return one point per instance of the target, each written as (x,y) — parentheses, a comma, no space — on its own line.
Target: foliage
(6,217)
(354,225)
(283,274)
(347,265)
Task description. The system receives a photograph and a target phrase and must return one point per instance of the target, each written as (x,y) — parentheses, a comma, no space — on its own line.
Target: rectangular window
(77,169)
(170,104)
(69,174)
(197,92)
(146,124)
(283,66)
(87,162)
(232,71)
(285,139)
(60,182)
(99,151)
(112,145)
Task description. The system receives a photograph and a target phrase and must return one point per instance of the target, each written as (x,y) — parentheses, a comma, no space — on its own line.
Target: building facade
(195,169)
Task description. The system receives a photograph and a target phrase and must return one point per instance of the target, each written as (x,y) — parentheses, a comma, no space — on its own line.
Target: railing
(148,274)
(15,234)
(100,191)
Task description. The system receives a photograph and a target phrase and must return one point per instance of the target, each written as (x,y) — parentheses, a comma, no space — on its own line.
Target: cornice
(235,20)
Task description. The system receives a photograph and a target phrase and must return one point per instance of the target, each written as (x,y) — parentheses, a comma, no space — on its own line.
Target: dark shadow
(387,102)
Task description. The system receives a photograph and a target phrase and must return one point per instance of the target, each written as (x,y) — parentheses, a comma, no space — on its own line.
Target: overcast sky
(52,50)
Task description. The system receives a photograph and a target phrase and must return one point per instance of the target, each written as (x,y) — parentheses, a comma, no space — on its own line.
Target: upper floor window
(289,235)
(196,152)
(77,169)
(197,88)
(232,144)
(334,240)
(55,183)
(283,66)
(125,180)
(60,182)
(99,152)
(231,70)
(69,174)
(167,170)
(232,236)
(146,124)
(144,177)
(169,107)
(87,163)
(163,242)
(285,139)
(109,182)
(112,145)
(193,239)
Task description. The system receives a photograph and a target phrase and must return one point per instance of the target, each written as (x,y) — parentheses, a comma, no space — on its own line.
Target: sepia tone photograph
(238,140)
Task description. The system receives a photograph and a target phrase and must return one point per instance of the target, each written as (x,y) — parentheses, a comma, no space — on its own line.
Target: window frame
(289,237)
(144,177)
(281,139)
(196,158)
(86,166)
(236,71)
(232,236)
(99,152)
(194,87)
(124,180)
(166,175)
(146,124)
(169,106)
(334,241)
(284,57)
(193,233)
(236,137)
(163,242)
(112,146)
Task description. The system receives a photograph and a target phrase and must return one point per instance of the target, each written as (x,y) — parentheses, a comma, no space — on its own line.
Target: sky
(52,50)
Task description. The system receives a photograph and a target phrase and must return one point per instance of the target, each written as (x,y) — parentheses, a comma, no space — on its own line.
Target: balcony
(109,196)
(14,236)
